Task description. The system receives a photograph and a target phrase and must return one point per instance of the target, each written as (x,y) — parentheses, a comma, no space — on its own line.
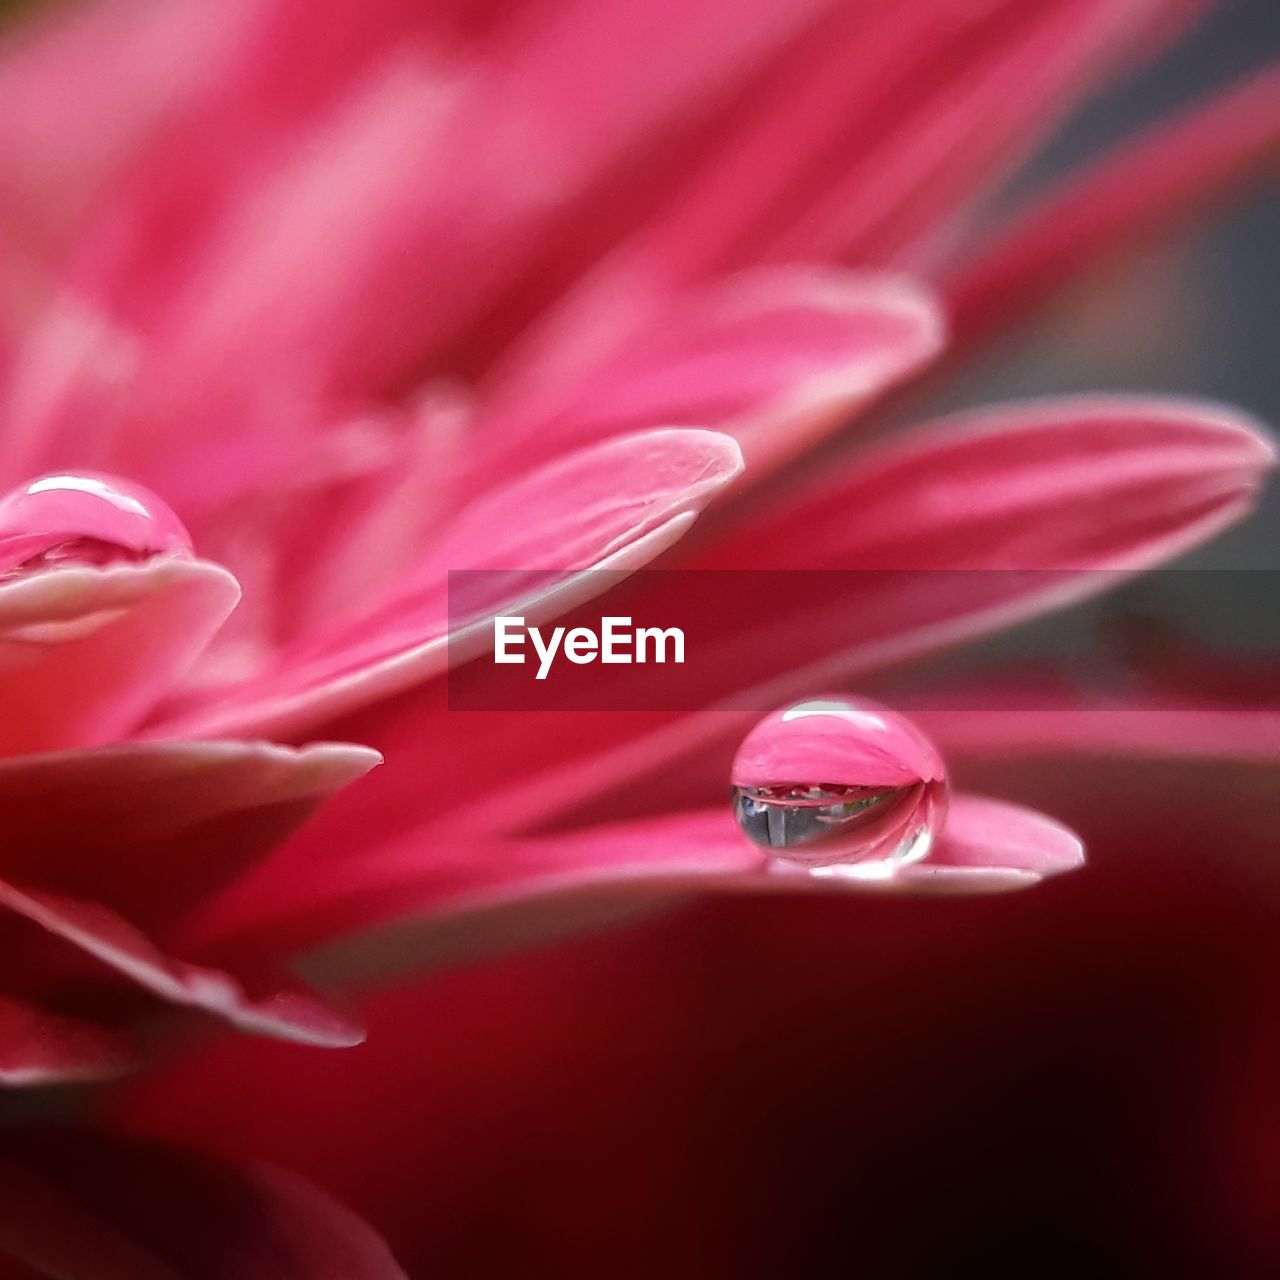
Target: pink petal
(270,1007)
(86,653)
(108,851)
(525,122)
(974,107)
(1089,482)
(1156,813)
(610,507)
(990,844)
(586,507)
(1164,176)
(151,830)
(68,363)
(774,358)
(470,897)
(975,725)
(58,151)
(97,1206)
(862,139)
(41,1048)
(456,899)
(250,112)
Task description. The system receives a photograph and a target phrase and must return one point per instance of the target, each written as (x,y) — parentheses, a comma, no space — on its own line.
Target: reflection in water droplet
(839,786)
(72,520)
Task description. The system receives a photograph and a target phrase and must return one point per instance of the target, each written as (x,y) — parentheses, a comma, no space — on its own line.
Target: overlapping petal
(95,1206)
(267,1005)
(41,1048)
(60,153)
(106,852)
(938,523)
(773,357)
(554,536)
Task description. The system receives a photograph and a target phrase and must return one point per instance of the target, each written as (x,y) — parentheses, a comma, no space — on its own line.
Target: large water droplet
(73,519)
(839,786)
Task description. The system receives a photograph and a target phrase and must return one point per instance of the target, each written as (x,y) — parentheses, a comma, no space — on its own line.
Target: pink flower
(535,291)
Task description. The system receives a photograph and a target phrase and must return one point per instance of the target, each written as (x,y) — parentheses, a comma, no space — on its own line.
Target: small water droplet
(77,519)
(839,786)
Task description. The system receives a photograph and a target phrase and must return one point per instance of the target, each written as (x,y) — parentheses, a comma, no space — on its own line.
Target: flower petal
(989,843)
(59,151)
(97,1206)
(526,121)
(153,829)
(772,357)
(1071,482)
(973,108)
(865,141)
(1161,177)
(41,1048)
(1048,723)
(86,653)
(467,899)
(108,851)
(1156,812)
(610,507)
(273,1007)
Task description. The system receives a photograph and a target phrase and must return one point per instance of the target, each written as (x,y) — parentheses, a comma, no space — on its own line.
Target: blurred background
(1199,315)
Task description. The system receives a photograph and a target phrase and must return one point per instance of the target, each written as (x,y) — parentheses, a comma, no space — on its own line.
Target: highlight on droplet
(79,519)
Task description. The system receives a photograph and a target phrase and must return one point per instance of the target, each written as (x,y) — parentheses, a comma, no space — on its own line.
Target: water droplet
(76,519)
(839,787)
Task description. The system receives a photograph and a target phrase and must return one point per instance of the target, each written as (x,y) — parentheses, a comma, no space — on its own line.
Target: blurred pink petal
(94,1206)
(775,358)
(1044,724)
(86,653)
(59,151)
(1162,177)
(974,107)
(866,136)
(465,899)
(612,506)
(500,118)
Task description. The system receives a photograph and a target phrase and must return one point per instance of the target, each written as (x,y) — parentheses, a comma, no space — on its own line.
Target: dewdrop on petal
(839,786)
